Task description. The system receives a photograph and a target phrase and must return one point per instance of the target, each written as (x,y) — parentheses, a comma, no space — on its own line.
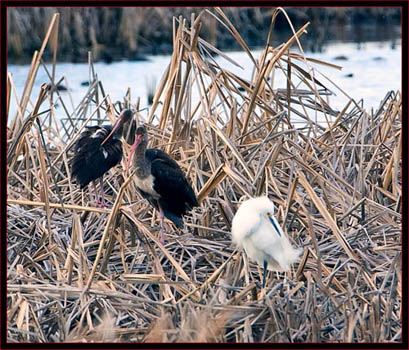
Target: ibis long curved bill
(138,139)
(116,126)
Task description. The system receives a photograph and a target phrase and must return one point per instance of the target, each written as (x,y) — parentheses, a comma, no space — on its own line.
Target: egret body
(257,231)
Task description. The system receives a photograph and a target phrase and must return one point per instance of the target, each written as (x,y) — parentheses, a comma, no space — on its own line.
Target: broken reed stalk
(36,62)
(111,218)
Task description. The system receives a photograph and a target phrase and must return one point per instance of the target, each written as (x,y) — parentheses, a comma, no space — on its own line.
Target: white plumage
(257,231)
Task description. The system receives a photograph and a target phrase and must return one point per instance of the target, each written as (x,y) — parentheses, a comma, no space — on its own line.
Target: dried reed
(75,271)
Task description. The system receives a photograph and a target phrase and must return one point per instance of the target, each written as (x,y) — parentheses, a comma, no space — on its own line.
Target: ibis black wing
(91,160)
(177,196)
(153,154)
(84,137)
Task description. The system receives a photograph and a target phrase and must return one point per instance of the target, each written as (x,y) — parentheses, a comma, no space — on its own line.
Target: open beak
(118,123)
(138,139)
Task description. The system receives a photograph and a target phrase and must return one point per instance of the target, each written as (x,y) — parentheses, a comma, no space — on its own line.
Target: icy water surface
(368,73)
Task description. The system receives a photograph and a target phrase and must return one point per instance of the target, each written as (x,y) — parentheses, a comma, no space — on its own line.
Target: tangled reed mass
(81,273)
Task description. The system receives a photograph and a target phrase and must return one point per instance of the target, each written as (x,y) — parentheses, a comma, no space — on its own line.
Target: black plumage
(93,156)
(176,195)
(91,160)
(161,181)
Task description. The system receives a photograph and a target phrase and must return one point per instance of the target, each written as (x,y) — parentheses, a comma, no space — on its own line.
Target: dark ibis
(93,156)
(161,181)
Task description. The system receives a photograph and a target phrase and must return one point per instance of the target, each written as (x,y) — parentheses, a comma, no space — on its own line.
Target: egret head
(264,209)
(263,205)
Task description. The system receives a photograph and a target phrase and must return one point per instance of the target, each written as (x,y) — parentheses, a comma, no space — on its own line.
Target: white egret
(255,229)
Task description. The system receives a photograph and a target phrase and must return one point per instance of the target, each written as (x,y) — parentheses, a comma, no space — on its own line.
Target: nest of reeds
(81,273)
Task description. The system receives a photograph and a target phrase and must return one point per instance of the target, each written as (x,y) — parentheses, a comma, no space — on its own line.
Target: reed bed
(77,273)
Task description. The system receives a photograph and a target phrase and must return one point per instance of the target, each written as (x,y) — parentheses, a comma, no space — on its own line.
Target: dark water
(133,33)
(319,37)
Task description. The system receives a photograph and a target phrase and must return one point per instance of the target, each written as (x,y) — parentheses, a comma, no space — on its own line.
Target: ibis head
(124,118)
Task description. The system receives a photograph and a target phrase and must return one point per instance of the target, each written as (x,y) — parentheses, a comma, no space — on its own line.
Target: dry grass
(79,273)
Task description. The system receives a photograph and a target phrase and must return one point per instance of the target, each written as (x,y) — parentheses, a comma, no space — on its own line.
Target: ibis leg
(101,183)
(162,224)
(264,273)
(96,193)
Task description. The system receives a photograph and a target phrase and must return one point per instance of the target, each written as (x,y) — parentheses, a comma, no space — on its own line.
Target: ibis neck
(128,132)
(120,130)
(116,134)
(141,164)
